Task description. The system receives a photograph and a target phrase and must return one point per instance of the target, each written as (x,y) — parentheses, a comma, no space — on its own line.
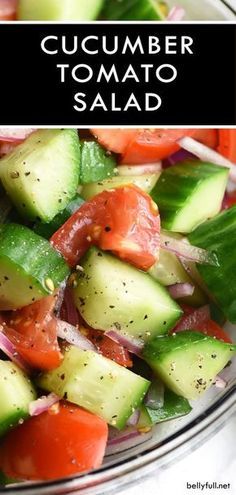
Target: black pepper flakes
(14,175)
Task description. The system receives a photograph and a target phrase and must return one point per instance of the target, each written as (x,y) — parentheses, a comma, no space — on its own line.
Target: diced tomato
(229,200)
(212,329)
(123,220)
(8,10)
(115,140)
(54,444)
(209,137)
(195,319)
(227,143)
(32,329)
(108,348)
(139,146)
(151,145)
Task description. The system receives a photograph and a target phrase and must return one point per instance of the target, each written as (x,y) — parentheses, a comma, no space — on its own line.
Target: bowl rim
(125,472)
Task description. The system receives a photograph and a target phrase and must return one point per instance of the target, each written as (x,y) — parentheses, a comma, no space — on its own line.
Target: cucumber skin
(33,254)
(219,236)
(160,346)
(174,406)
(95,164)
(28,160)
(133,10)
(4,480)
(203,356)
(46,230)
(171,192)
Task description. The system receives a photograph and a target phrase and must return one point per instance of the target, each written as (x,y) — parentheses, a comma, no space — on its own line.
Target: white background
(215,460)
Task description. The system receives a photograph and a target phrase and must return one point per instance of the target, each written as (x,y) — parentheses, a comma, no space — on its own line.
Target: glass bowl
(167,443)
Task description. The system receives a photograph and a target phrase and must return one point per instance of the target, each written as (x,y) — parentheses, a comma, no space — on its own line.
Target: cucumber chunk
(134,10)
(41,175)
(189,193)
(98,384)
(27,263)
(174,407)
(219,236)
(16,392)
(47,229)
(145,182)
(168,270)
(113,295)
(58,10)
(96,164)
(188,362)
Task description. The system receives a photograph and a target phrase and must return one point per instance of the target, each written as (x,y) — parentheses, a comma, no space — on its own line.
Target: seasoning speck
(14,175)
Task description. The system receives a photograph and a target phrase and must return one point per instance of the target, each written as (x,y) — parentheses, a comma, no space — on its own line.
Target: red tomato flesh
(209,137)
(32,330)
(115,140)
(227,144)
(195,321)
(108,348)
(229,200)
(150,145)
(54,444)
(123,220)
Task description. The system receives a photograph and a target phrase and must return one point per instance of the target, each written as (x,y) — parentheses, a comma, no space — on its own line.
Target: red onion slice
(73,336)
(146,168)
(180,290)
(6,148)
(123,437)
(134,346)
(133,419)
(42,404)
(125,440)
(177,157)
(70,314)
(14,134)
(59,298)
(9,349)
(155,395)
(207,154)
(183,249)
(177,13)
(219,382)
(200,315)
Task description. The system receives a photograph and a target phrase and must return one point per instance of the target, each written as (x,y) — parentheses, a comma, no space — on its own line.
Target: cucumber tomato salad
(62,10)
(117,274)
